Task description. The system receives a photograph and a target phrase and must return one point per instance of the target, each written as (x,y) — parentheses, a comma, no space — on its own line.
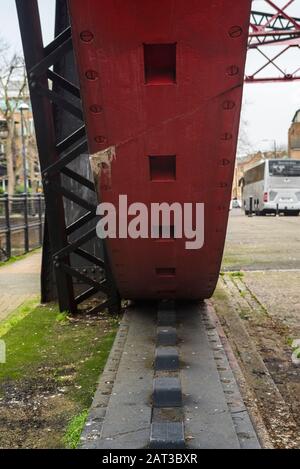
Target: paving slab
(166,336)
(134,407)
(167,392)
(166,358)
(208,420)
(127,420)
(19,282)
(167,435)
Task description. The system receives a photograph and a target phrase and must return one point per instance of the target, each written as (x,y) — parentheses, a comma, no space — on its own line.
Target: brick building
(294,137)
(33,173)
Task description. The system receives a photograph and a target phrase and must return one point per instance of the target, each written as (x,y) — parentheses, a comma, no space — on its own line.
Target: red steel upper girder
(277,27)
(161,84)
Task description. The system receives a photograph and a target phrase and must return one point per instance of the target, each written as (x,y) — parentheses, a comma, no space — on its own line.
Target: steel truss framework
(56,154)
(55,158)
(277,28)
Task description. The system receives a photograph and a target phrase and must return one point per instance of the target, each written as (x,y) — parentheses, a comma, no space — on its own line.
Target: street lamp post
(3,137)
(22,108)
(275,149)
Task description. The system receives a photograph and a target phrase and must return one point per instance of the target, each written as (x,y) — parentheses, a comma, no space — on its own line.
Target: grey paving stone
(207,417)
(127,421)
(166,336)
(167,392)
(166,318)
(167,435)
(166,359)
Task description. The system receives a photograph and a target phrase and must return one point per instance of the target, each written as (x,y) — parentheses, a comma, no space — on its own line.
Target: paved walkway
(19,282)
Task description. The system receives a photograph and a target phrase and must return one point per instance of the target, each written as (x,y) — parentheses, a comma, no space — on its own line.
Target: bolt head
(228,105)
(91,75)
(235,31)
(233,70)
(226,136)
(100,139)
(86,36)
(96,109)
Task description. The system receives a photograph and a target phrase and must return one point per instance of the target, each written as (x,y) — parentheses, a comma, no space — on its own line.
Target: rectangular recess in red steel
(162,168)
(166,272)
(160,63)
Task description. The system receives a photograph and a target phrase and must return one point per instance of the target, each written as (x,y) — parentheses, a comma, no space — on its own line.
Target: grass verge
(17,316)
(74,430)
(48,381)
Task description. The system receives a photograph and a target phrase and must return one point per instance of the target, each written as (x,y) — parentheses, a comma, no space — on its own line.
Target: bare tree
(13,90)
(244,145)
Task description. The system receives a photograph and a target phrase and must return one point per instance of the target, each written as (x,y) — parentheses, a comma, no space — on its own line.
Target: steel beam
(30,27)
(58,148)
(276,28)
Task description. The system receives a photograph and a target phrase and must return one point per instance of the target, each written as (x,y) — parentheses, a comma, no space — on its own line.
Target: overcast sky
(268,108)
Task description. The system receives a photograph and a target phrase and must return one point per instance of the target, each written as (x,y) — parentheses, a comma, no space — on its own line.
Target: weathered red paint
(191,112)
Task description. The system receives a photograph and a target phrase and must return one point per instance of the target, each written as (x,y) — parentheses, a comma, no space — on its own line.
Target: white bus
(273,186)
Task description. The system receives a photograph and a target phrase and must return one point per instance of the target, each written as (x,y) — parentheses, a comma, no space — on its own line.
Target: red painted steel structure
(275,28)
(164,79)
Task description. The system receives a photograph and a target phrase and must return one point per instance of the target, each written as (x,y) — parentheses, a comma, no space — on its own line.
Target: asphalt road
(262,243)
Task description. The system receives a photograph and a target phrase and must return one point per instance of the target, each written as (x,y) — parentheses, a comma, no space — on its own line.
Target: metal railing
(21,224)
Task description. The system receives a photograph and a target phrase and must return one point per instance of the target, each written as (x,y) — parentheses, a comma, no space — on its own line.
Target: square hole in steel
(168,231)
(162,168)
(166,272)
(164,233)
(160,63)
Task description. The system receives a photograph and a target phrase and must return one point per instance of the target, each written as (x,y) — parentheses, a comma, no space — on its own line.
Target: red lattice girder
(276,27)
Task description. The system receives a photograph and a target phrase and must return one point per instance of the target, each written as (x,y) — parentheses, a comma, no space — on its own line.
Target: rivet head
(91,75)
(228,105)
(96,109)
(226,136)
(86,36)
(235,31)
(232,70)
(100,139)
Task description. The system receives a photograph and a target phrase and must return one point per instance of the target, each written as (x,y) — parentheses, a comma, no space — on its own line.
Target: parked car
(235,203)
